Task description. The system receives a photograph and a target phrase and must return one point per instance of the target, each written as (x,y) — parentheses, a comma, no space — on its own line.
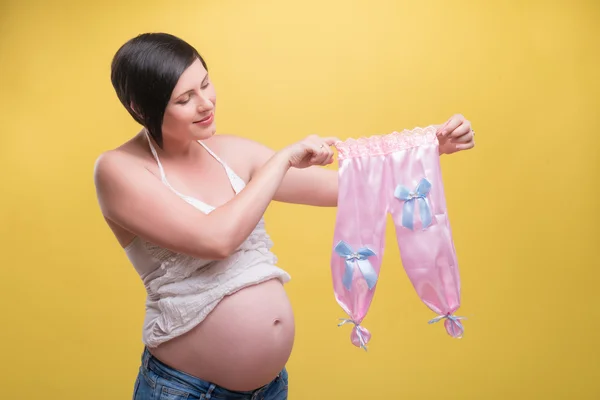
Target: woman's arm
(318,186)
(136,200)
(314,186)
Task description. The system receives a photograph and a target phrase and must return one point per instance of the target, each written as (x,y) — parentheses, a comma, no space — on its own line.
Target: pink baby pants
(397,173)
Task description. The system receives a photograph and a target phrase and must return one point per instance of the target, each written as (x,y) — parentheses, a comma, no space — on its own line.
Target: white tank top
(182,290)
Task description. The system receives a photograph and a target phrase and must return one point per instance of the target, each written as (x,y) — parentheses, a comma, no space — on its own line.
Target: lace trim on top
(384,144)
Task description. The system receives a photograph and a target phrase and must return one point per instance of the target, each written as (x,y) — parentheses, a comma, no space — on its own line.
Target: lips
(206,120)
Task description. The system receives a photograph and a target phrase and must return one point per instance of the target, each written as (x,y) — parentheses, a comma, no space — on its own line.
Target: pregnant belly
(243,343)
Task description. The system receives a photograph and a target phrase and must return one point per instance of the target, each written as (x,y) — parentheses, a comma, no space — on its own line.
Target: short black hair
(144,72)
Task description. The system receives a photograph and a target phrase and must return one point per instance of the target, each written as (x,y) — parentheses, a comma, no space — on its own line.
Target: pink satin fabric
(371,169)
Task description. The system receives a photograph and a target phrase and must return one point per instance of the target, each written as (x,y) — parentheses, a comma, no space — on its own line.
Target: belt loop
(145,358)
(211,388)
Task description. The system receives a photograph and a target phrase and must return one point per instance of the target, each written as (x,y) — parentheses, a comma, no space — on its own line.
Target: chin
(204,133)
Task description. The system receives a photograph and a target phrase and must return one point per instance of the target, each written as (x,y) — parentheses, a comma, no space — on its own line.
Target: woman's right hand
(313,150)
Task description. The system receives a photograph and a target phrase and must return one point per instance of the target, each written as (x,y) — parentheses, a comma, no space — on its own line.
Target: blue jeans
(158,381)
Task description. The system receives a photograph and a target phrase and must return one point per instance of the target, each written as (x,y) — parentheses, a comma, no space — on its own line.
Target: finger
(326,160)
(465,146)
(331,140)
(467,137)
(314,151)
(327,154)
(329,151)
(441,128)
(320,153)
(324,146)
(453,123)
(317,140)
(329,158)
(324,153)
(462,130)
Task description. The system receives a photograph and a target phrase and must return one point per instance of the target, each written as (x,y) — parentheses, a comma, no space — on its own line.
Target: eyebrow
(191,90)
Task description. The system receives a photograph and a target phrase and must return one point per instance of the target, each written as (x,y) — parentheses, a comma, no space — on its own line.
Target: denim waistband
(210,390)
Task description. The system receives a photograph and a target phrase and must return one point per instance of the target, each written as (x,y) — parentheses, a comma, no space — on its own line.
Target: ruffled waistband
(384,144)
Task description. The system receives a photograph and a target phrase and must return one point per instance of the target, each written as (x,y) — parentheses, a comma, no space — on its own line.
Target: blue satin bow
(453,318)
(357,258)
(409,198)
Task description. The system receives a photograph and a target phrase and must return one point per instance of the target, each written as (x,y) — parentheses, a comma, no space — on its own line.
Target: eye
(184,101)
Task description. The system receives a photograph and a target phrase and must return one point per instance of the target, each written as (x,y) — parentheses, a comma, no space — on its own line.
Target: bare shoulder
(126,160)
(135,203)
(120,170)
(111,163)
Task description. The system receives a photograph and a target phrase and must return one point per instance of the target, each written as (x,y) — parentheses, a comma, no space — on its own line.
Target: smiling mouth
(205,120)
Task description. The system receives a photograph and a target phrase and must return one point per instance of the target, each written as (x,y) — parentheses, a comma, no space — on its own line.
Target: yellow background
(523,205)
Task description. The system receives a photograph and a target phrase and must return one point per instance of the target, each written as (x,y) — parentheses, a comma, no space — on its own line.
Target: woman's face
(190,113)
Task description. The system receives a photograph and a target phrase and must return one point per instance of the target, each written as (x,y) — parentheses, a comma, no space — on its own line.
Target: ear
(134,108)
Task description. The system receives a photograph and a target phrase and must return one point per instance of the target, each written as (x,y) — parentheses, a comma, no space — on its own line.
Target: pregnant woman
(187,207)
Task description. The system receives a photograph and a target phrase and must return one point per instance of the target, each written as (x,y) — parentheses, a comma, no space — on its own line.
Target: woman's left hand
(456,135)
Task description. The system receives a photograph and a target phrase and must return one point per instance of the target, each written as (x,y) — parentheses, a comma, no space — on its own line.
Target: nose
(205,104)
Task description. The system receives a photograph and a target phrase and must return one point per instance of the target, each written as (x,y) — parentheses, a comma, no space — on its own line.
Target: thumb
(331,140)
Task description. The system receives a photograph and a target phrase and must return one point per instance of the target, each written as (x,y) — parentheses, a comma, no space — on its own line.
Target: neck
(183,149)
